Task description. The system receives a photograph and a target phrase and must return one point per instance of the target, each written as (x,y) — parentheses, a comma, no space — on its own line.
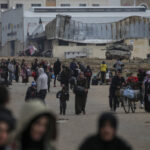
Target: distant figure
(57,69)
(88,75)
(118,65)
(31,92)
(49,75)
(17,72)
(11,70)
(42,86)
(81,92)
(81,67)
(106,137)
(103,70)
(65,76)
(116,84)
(141,76)
(4,96)
(147,92)
(36,128)
(73,66)
(63,96)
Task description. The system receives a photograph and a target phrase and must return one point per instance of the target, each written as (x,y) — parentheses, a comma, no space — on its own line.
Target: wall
(6,49)
(26,3)
(114,2)
(87,2)
(50,2)
(92,50)
(140,47)
(138,3)
(12,27)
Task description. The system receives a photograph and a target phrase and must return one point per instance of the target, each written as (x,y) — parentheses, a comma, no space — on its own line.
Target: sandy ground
(135,128)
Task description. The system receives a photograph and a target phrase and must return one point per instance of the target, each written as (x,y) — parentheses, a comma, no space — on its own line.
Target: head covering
(29,112)
(33,83)
(148,72)
(6,116)
(108,117)
(41,71)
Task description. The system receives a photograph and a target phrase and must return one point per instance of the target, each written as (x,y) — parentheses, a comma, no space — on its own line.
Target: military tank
(118,51)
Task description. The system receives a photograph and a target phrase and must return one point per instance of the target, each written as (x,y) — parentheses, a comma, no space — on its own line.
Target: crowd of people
(36,128)
(74,76)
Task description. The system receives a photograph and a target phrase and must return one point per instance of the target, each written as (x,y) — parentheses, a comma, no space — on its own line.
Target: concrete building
(87,3)
(145,3)
(22,24)
(64,35)
(6,4)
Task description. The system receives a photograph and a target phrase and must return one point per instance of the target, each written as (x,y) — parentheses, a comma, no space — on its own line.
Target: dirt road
(135,128)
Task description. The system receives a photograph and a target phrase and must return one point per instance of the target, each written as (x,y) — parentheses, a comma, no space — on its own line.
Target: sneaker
(142,106)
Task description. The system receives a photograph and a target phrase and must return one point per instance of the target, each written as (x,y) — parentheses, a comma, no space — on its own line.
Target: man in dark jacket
(117,82)
(57,69)
(106,138)
(65,76)
(73,65)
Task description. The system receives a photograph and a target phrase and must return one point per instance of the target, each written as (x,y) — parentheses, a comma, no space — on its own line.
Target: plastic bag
(129,93)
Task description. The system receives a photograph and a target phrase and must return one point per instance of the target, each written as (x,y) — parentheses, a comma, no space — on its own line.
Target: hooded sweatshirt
(42,80)
(31,111)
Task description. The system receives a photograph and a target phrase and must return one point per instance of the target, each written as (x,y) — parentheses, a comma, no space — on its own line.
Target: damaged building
(79,31)
(64,34)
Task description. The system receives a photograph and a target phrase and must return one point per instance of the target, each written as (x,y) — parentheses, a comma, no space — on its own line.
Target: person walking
(119,65)
(106,137)
(63,96)
(31,92)
(49,75)
(141,76)
(36,128)
(11,71)
(65,76)
(17,71)
(42,84)
(88,75)
(117,82)
(147,92)
(81,92)
(57,69)
(103,70)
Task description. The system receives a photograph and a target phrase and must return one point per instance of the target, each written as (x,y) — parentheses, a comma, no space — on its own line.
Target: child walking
(63,96)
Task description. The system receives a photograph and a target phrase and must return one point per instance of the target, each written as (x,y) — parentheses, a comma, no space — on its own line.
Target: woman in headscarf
(147,92)
(36,128)
(106,138)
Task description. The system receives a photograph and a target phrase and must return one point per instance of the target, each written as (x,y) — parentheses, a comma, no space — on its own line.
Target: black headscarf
(107,117)
(6,116)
